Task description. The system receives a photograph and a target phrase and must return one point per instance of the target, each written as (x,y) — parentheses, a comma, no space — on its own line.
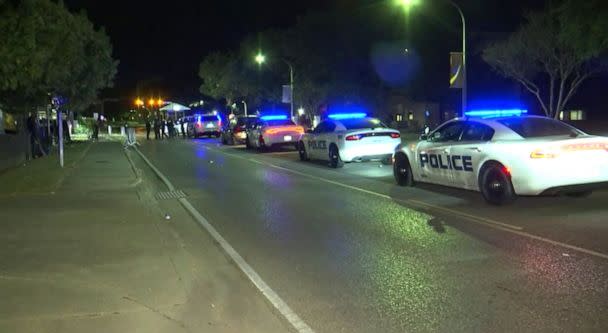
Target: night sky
(166,40)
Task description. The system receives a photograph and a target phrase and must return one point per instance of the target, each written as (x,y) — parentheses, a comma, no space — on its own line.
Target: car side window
(475,131)
(449,132)
(321,128)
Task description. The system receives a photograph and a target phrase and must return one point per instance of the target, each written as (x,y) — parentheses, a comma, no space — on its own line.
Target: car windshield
(535,127)
(362,123)
(279,122)
(245,121)
(209,118)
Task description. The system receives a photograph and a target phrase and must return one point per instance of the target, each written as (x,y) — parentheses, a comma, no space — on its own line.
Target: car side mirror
(424,137)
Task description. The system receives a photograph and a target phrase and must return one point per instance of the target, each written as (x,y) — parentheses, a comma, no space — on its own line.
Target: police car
(273,130)
(506,153)
(350,137)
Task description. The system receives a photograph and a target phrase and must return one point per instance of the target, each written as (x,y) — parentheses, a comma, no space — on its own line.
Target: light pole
(407,4)
(261,58)
(245,107)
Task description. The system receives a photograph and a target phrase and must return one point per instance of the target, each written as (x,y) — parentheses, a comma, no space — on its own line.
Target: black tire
(247,144)
(231,140)
(334,157)
(495,185)
(302,151)
(224,141)
(402,170)
(579,194)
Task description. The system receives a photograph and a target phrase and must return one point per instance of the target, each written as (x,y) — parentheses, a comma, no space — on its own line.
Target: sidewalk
(94,253)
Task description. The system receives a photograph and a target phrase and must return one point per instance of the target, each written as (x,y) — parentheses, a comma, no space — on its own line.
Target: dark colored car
(235,132)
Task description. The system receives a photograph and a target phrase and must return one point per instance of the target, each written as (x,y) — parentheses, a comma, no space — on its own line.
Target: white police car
(503,154)
(273,130)
(350,137)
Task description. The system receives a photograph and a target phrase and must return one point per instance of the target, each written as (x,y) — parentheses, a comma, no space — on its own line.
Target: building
(413,115)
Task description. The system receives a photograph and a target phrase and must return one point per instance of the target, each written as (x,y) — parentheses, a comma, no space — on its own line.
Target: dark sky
(167,40)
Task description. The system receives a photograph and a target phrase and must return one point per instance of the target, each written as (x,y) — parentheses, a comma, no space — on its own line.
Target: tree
(47,50)
(554,52)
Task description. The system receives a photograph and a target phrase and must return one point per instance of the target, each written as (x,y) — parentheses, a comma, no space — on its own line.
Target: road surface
(349,251)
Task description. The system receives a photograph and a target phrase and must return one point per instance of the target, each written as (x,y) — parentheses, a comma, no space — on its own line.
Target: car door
(468,153)
(433,154)
(316,141)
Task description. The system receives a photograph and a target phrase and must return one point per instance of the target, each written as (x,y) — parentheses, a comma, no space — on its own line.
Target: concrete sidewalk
(94,253)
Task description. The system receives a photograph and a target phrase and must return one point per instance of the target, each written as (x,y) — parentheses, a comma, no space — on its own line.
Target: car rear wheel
(302,151)
(334,157)
(579,194)
(247,144)
(402,170)
(495,185)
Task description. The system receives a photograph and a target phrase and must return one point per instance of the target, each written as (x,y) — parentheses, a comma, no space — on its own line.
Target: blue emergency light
(495,113)
(274,117)
(342,116)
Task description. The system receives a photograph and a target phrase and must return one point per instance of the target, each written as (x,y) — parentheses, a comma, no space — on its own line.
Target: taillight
(198,124)
(544,153)
(395,135)
(238,129)
(353,138)
(261,139)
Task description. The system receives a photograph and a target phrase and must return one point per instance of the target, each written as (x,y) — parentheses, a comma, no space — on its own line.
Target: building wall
(412,115)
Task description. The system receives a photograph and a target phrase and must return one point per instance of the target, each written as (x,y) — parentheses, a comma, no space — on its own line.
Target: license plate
(287,138)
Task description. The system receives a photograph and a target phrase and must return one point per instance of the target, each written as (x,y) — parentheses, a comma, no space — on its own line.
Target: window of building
(398,117)
(410,115)
(577,115)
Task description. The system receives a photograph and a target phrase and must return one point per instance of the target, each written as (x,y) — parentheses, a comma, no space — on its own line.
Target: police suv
(349,138)
(505,153)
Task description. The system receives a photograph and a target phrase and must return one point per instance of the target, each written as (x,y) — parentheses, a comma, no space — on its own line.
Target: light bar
(341,116)
(495,113)
(274,117)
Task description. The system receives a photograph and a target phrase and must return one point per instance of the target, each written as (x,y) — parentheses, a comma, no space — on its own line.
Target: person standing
(148,128)
(156,128)
(171,128)
(163,128)
(183,126)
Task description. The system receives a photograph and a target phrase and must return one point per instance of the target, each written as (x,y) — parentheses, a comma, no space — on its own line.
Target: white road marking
(274,299)
(473,218)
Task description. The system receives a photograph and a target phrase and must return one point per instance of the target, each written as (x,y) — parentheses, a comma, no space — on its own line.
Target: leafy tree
(47,50)
(554,52)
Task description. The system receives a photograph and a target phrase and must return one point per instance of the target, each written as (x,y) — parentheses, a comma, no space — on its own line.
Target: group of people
(41,139)
(164,128)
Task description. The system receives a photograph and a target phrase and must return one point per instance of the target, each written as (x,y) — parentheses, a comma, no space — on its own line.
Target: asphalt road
(350,251)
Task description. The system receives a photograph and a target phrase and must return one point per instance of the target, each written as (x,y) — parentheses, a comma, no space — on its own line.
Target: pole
(60,132)
(464,57)
(245,107)
(290,84)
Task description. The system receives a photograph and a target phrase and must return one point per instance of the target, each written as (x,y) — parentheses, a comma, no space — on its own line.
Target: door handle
(446,151)
(475,149)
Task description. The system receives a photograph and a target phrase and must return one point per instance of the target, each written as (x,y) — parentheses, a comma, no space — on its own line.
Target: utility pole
(464,57)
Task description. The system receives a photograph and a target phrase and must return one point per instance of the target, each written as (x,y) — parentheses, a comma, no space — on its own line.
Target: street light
(407,4)
(139,102)
(301,111)
(261,58)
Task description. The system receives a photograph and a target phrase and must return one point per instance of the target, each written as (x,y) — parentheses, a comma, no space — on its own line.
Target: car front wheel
(495,185)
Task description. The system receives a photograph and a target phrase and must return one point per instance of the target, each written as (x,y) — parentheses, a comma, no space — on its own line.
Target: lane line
(473,218)
(277,302)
